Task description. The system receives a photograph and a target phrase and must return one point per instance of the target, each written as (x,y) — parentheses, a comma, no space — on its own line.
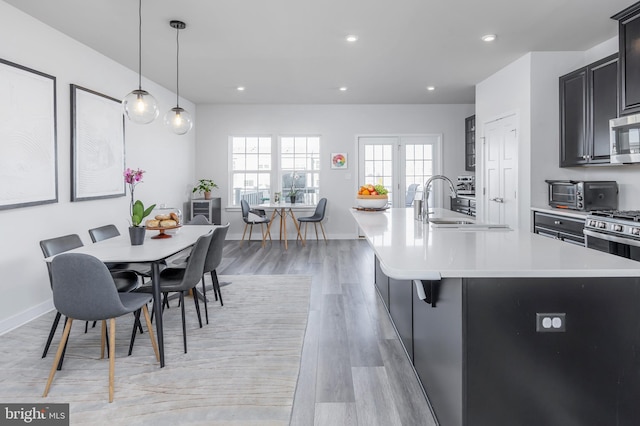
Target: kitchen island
(509,327)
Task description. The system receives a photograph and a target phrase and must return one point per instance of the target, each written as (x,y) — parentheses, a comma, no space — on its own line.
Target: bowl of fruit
(372,197)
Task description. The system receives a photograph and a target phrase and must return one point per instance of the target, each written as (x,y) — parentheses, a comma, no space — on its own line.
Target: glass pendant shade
(178,120)
(140,107)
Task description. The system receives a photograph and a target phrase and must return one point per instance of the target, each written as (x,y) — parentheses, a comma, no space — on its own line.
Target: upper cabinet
(588,100)
(629,39)
(470,143)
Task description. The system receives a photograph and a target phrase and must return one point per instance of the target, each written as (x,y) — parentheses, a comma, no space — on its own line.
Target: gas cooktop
(633,215)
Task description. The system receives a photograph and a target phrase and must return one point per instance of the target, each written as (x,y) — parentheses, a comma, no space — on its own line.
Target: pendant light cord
(140,45)
(177,67)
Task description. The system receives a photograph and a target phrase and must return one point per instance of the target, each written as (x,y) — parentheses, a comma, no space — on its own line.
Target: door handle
(498,200)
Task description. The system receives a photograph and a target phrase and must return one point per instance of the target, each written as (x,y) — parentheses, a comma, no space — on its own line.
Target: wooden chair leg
(112,355)
(315,226)
(323,235)
(63,343)
(250,230)
(103,338)
(243,234)
(264,236)
(152,337)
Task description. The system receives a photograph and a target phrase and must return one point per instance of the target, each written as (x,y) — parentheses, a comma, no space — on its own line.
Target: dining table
(285,210)
(153,251)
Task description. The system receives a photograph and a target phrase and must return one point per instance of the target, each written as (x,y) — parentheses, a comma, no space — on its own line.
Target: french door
(399,163)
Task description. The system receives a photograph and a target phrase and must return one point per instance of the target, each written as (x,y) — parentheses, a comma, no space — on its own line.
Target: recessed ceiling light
(240,88)
(343,89)
(489,38)
(431,88)
(352,38)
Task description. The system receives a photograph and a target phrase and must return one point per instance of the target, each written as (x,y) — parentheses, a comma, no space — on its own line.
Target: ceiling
(295,52)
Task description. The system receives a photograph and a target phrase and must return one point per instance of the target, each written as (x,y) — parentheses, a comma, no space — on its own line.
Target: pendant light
(177,119)
(139,106)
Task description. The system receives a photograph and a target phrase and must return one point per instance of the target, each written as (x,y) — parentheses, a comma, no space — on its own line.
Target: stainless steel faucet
(425,194)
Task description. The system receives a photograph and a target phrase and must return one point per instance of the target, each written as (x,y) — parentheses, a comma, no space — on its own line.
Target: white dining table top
(119,249)
(283,205)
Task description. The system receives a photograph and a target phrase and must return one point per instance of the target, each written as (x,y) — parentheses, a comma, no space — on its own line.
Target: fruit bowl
(372,201)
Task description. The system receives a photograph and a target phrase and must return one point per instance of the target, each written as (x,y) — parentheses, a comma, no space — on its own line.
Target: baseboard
(24,317)
(310,237)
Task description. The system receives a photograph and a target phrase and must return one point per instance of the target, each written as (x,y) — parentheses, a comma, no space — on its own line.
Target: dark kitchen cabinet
(401,310)
(588,100)
(560,227)
(470,143)
(629,74)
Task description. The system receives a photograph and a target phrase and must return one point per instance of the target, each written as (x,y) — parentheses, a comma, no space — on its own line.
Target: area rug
(240,369)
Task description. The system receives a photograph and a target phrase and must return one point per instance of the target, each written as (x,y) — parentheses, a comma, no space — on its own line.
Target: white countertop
(562,212)
(409,249)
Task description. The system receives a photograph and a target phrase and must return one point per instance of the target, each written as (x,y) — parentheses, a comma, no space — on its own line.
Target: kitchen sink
(451,222)
(444,222)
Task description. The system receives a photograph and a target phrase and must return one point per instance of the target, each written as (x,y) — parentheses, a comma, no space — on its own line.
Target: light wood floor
(354,370)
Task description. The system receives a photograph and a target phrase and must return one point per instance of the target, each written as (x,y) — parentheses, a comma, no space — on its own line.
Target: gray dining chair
(254,217)
(316,219)
(181,280)
(211,264)
(411,194)
(110,231)
(199,219)
(83,289)
(124,281)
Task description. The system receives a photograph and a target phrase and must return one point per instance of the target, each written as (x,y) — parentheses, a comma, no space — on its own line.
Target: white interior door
(501,177)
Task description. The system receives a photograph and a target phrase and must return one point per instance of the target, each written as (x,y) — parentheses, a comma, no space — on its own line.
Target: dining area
(113,277)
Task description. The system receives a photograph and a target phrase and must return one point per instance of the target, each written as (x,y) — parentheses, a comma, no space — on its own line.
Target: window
(251,169)
(300,167)
(259,168)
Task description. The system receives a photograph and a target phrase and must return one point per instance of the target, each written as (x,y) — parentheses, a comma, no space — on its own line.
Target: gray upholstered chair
(124,281)
(411,194)
(83,289)
(110,231)
(212,262)
(199,220)
(316,219)
(181,280)
(254,217)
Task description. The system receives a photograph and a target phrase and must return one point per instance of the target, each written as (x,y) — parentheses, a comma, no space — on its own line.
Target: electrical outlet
(551,323)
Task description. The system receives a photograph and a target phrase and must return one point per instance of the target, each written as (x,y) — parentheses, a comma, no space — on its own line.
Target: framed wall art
(97,145)
(339,160)
(28,164)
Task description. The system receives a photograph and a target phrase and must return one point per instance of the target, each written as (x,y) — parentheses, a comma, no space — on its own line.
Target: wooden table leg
(295,222)
(283,218)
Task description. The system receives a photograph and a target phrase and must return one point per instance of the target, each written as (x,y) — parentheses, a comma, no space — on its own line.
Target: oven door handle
(613,238)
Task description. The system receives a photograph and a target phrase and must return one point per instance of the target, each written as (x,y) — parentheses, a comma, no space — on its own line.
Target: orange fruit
(365,192)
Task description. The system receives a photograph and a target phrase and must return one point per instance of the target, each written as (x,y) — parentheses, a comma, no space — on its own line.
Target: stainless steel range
(614,231)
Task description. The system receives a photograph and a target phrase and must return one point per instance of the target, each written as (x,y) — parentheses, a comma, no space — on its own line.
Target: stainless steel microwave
(624,133)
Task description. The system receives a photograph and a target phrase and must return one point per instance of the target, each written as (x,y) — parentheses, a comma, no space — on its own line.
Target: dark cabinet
(588,100)
(629,40)
(464,205)
(470,143)
(382,283)
(401,310)
(560,227)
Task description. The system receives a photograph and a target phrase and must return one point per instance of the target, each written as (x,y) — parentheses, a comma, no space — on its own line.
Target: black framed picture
(97,145)
(28,164)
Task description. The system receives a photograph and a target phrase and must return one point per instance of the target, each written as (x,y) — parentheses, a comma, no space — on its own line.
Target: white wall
(338,126)
(167,158)
(529,87)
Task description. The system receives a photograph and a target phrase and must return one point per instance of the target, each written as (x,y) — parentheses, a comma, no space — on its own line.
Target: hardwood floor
(354,370)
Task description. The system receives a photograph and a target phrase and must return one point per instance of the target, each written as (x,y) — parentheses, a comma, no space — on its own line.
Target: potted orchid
(293,192)
(137,210)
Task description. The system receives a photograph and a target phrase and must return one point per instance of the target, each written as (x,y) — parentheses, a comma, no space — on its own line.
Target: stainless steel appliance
(583,195)
(614,231)
(466,185)
(624,135)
